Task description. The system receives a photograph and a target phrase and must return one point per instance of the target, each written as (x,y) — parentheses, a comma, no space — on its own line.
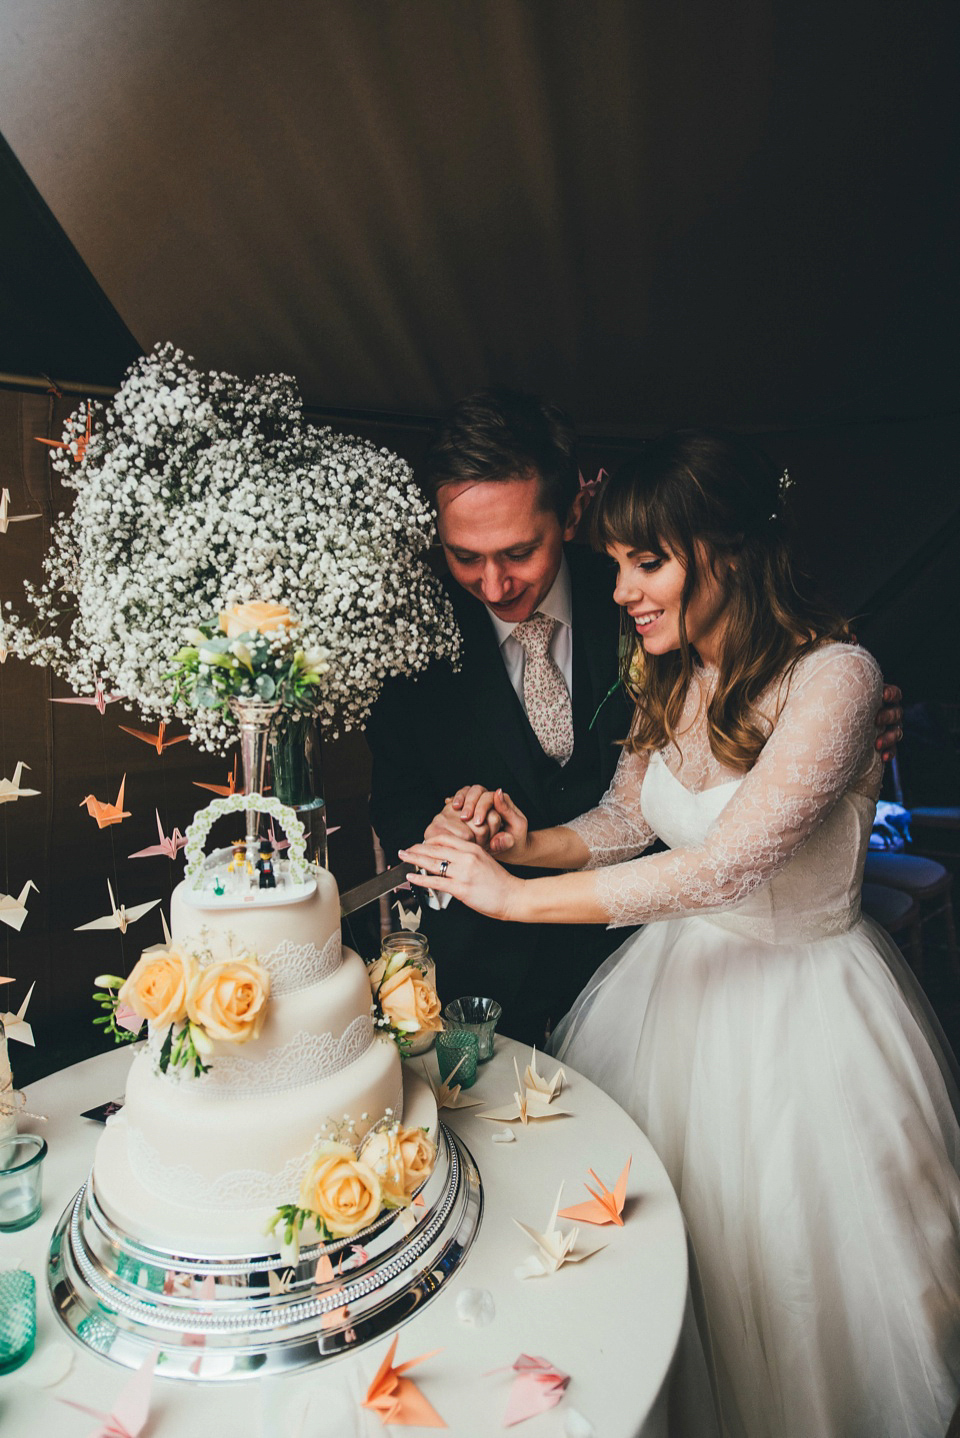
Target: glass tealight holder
(21,1180)
(476,1016)
(18,1318)
(458,1053)
(413,946)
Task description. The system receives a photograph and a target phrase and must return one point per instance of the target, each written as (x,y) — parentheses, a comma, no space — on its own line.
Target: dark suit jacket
(432,734)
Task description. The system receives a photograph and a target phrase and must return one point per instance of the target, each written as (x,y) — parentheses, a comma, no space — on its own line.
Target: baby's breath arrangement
(195,492)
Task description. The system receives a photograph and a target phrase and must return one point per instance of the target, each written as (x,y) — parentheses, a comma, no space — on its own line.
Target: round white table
(611,1322)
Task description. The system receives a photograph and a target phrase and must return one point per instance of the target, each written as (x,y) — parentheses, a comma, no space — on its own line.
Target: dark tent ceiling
(739,212)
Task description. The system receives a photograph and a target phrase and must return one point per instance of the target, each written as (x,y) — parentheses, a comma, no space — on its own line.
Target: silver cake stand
(217,1319)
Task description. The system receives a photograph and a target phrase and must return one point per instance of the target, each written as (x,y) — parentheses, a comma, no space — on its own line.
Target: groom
(535,707)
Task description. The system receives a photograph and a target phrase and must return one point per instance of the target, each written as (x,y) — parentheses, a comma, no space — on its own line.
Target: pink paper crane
(100,699)
(166,846)
(128,1416)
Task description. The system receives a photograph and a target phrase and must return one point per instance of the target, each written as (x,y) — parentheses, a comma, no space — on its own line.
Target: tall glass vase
(282,752)
(298,777)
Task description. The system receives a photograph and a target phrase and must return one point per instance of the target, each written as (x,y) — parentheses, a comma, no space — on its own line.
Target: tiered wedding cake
(197,1162)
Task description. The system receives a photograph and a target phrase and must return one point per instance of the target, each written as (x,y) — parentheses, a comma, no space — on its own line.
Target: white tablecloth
(611,1322)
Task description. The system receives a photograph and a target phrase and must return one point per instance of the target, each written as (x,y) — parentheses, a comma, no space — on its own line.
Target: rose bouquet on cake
(208,510)
(196,1000)
(348,1183)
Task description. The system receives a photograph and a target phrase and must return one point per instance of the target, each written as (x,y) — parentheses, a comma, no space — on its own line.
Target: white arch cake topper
(203,822)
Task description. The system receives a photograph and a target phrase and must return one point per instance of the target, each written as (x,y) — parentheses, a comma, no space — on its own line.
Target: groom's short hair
(498,434)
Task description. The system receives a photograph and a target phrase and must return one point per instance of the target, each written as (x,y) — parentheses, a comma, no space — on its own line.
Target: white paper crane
(13,911)
(120,917)
(15,1025)
(6,518)
(554,1247)
(10,788)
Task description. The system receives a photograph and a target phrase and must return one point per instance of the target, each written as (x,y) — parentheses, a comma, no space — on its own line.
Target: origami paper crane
(325,1276)
(538,1385)
(128,1416)
(532,1080)
(99,701)
(278,844)
(13,911)
(231,784)
(605,1206)
(120,918)
(166,846)
(409,918)
(281,1282)
(159,948)
(448,1095)
(528,1104)
(398,1400)
(76,447)
(104,813)
(158,741)
(15,1025)
(6,518)
(555,1248)
(10,788)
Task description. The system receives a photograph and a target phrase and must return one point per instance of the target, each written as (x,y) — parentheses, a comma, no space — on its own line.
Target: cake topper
(236,803)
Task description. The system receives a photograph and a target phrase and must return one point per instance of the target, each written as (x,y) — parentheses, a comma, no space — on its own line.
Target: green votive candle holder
(18,1318)
(457,1056)
(477,1016)
(21,1180)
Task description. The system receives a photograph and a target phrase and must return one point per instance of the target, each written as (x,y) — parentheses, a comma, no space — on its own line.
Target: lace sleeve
(821,747)
(616,829)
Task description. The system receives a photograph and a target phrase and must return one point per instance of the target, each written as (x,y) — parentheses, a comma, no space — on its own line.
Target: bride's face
(650,587)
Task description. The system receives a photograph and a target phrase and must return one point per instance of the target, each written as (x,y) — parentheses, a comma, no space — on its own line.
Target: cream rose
(418,1153)
(380,1151)
(157,987)
(341,1190)
(410,1003)
(260,615)
(228,1000)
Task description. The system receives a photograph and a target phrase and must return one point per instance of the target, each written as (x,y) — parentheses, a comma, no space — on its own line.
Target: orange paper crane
(605,1206)
(100,700)
(398,1400)
(157,740)
(6,518)
(77,447)
(229,788)
(106,814)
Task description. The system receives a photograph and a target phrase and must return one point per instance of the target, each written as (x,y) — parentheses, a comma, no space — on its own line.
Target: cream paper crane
(120,917)
(13,911)
(15,1025)
(10,788)
(6,518)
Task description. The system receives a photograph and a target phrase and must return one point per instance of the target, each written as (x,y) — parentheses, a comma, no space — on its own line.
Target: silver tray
(122,1298)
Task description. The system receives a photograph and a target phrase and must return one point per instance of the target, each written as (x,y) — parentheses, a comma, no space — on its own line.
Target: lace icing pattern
(820,748)
(293,967)
(235,1190)
(301,1061)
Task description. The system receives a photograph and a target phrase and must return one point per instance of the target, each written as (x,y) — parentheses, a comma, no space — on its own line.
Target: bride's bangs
(638,516)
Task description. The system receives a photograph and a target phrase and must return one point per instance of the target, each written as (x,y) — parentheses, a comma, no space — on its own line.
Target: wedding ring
(444,866)
(899,732)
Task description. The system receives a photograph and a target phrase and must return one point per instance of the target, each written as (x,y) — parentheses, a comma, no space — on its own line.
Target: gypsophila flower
(198,491)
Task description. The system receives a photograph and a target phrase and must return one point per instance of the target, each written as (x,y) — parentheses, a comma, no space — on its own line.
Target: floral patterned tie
(545,694)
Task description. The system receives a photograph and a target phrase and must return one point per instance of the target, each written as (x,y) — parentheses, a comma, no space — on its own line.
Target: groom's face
(500,542)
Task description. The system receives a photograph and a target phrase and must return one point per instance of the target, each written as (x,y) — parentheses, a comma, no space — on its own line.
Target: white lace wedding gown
(774,1049)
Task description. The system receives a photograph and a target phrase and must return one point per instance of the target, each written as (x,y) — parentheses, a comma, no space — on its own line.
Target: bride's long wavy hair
(714,489)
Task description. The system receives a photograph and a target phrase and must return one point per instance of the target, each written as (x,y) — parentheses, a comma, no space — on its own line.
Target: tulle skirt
(806,1111)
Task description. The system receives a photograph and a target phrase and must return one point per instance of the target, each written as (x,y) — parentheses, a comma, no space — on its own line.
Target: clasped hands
(461,846)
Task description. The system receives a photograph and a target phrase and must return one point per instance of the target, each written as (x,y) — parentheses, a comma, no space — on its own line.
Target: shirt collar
(557,604)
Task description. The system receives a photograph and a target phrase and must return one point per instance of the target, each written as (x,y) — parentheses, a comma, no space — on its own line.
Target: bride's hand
(463,869)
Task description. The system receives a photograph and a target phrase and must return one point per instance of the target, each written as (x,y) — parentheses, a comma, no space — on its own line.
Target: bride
(768,1040)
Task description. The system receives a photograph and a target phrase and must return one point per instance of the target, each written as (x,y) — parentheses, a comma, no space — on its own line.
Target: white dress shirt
(558,605)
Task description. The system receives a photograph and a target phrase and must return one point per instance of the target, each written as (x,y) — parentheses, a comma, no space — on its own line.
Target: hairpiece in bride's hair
(784,486)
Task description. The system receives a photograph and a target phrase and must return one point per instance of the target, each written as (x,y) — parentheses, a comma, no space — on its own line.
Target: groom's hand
(473,806)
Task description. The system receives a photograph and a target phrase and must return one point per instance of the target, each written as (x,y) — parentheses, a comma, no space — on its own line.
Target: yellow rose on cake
(259,616)
(228,1000)
(157,987)
(418,1153)
(342,1191)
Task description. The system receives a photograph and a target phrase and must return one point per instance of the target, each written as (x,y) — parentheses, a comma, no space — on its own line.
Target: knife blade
(374,888)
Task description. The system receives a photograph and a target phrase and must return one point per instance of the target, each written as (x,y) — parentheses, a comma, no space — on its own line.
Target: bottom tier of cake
(247,1316)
